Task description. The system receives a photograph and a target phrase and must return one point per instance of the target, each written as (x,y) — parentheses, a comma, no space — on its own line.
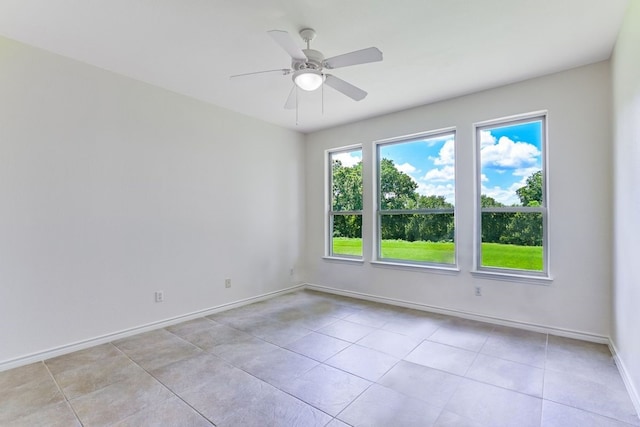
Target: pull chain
(323,98)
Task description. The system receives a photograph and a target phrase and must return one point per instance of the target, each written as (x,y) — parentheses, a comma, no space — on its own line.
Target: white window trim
(400,263)
(329,213)
(525,276)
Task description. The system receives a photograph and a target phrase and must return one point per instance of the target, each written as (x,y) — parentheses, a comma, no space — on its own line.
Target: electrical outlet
(478,291)
(291,272)
(227,283)
(159,296)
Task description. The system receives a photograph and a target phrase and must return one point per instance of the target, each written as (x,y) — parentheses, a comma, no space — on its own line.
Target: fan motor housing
(314,61)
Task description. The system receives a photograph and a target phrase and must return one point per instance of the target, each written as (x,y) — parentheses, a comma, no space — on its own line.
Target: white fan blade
(283,71)
(348,89)
(371,54)
(291,99)
(288,44)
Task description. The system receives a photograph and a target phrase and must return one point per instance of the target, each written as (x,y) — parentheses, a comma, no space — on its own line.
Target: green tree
(347,187)
(494,224)
(397,191)
(430,227)
(526,228)
(346,195)
(532,191)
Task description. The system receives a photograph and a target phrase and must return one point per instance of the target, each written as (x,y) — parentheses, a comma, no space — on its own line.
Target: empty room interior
(295,213)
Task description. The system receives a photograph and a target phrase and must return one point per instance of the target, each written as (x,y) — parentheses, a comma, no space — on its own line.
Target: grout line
(66,399)
(165,386)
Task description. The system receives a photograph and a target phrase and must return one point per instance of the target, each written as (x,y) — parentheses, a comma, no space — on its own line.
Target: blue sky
(509,154)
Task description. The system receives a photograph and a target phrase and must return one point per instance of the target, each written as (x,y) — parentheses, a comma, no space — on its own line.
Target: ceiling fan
(307,66)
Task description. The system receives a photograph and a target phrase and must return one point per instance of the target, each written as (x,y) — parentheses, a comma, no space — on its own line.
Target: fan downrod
(307,34)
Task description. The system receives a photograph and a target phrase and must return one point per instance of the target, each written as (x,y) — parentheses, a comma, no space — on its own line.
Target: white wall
(626,290)
(111,189)
(579,116)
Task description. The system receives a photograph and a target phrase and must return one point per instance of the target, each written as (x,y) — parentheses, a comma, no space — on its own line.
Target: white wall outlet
(291,272)
(478,290)
(227,283)
(159,296)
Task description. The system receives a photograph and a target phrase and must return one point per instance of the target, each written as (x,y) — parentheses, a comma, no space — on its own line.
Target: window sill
(421,267)
(513,277)
(343,259)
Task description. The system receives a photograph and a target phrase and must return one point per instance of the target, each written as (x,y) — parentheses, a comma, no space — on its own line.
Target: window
(416,196)
(512,200)
(345,203)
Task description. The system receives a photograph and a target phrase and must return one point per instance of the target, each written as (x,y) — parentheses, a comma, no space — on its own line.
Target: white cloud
(486,139)
(484,178)
(506,197)
(407,168)
(509,154)
(446,190)
(446,156)
(444,174)
(347,159)
(526,172)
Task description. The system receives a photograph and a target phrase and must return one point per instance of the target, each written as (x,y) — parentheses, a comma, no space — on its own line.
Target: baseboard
(626,378)
(81,345)
(585,336)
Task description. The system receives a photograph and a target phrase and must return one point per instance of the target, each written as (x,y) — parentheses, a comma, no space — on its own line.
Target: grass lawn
(493,254)
(512,256)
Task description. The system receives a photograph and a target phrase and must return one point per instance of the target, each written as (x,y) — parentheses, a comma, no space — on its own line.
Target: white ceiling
(433,49)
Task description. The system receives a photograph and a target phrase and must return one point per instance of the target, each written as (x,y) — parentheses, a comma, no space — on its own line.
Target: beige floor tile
(326,388)
(22,375)
(158,348)
(24,399)
(81,357)
(318,346)
(504,373)
(494,406)
(187,328)
(380,406)
(172,412)
(427,384)
(55,415)
(444,357)
(363,362)
(391,343)
(119,400)
(92,376)
(347,331)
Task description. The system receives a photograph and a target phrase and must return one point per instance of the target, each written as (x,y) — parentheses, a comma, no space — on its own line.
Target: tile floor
(314,359)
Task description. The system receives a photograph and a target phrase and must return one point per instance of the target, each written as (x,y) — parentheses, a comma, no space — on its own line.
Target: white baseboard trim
(626,378)
(585,336)
(81,345)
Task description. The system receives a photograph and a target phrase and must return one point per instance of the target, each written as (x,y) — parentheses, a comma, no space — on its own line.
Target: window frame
(533,276)
(330,213)
(377,247)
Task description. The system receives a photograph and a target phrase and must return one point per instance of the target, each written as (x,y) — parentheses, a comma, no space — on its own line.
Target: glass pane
(418,173)
(418,237)
(512,240)
(346,235)
(511,164)
(346,180)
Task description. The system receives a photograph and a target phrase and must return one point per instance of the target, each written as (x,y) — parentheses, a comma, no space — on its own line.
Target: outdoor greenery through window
(416,196)
(511,180)
(345,211)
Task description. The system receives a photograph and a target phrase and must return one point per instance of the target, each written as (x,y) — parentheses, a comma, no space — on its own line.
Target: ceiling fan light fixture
(308,79)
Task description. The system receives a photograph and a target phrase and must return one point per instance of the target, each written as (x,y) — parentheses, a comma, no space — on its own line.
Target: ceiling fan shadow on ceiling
(307,66)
